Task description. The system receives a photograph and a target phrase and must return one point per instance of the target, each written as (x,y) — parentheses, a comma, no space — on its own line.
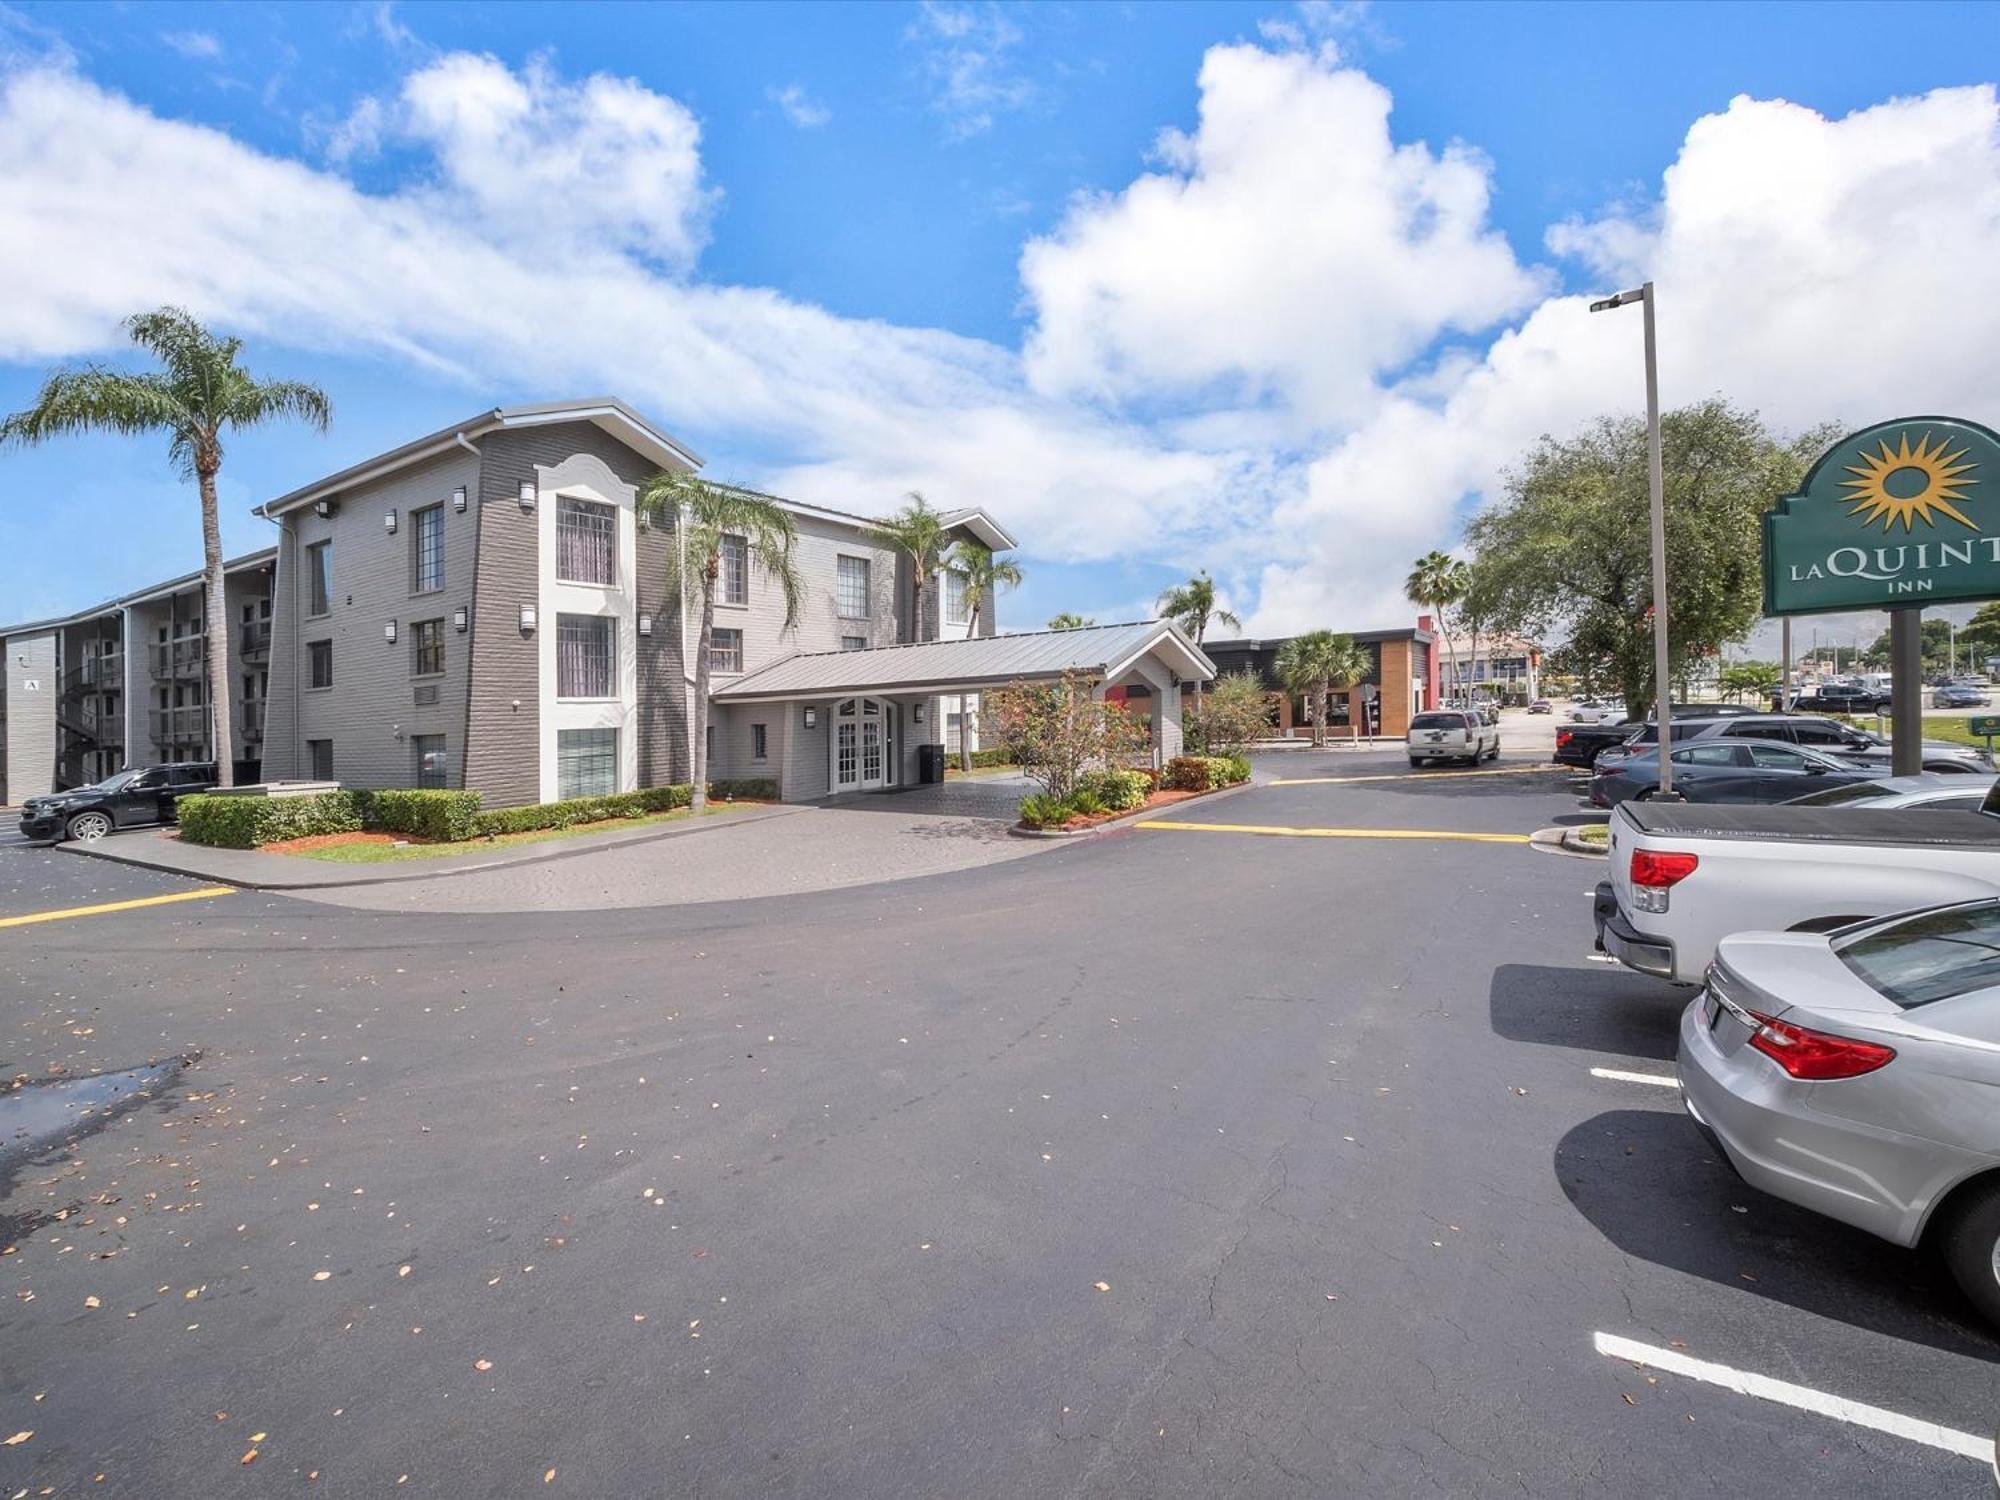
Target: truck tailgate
(1806,825)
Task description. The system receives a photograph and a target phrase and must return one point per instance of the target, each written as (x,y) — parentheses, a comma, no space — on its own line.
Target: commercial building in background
(483,608)
(1492,663)
(1401,680)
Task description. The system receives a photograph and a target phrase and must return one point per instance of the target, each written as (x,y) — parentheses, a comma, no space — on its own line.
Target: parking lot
(1290,1145)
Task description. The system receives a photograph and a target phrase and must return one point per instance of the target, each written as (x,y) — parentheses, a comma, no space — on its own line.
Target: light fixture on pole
(1656,485)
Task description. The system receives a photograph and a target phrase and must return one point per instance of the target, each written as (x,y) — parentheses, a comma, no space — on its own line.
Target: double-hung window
(586,541)
(725,651)
(954,597)
(852,593)
(427,750)
(426,648)
(586,653)
(854,643)
(734,579)
(319,578)
(427,549)
(586,763)
(319,664)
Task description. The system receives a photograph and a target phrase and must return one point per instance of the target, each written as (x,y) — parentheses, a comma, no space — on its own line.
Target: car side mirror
(1815,770)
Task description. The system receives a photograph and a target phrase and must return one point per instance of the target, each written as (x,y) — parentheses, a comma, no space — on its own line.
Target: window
(1932,956)
(854,643)
(319,759)
(725,651)
(319,578)
(319,664)
(1708,755)
(586,763)
(735,578)
(585,649)
(954,597)
(759,744)
(853,592)
(586,541)
(1809,732)
(428,750)
(427,549)
(426,648)
(1778,758)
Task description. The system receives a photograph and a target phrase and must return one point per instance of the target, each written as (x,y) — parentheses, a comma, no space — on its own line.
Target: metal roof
(260,558)
(983,661)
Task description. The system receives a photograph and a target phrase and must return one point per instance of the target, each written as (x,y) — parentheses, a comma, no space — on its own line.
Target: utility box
(930,764)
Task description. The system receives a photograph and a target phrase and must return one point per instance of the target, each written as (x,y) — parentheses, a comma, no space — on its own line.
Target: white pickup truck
(1686,875)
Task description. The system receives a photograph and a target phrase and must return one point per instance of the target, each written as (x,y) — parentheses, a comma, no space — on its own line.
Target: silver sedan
(1857,1073)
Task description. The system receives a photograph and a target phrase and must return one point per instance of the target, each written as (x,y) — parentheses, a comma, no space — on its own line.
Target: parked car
(1541,706)
(134,798)
(1854,1074)
(1858,745)
(1684,878)
(1452,734)
(1930,791)
(1956,696)
(1580,745)
(1833,699)
(1590,711)
(1722,771)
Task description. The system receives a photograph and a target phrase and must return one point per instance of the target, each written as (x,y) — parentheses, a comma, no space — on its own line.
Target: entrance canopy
(1106,652)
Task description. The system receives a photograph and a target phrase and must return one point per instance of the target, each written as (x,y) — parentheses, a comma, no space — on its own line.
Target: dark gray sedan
(1725,771)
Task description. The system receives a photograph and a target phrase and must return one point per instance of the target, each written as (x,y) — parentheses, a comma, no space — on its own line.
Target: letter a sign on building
(1902,513)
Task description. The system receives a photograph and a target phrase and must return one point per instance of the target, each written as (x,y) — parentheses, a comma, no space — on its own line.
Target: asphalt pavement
(1261,1159)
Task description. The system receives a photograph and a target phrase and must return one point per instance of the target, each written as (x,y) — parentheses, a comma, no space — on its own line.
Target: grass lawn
(951,771)
(1595,833)
(376,849)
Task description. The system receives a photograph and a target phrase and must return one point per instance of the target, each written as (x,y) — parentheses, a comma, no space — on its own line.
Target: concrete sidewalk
(158,849)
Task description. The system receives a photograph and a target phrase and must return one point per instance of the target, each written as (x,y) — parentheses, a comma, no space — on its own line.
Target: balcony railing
(255,640)
(180,726)
(95,674)
(183,657)
(250,719)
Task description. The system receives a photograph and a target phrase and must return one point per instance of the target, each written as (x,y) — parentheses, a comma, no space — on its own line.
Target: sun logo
(1908,484)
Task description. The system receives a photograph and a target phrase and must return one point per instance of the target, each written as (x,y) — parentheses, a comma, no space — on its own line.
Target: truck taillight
(1654,872)
(1564,736)
(1816,1056)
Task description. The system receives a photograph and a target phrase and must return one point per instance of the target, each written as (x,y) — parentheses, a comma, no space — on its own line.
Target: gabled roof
(1105,651)
(263,557)
(607,412)
(996,537)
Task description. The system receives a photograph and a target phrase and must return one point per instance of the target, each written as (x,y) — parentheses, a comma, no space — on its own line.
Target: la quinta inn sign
(1904,513)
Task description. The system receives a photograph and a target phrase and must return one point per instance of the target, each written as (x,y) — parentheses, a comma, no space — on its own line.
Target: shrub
(751,790)
(537,816)
(1205,773)
(1085,802)
(1118,791)
(1056,731)
(1236,769)
(246,822)
(1235,711)
(1044,810)
(990,758)
(444,817)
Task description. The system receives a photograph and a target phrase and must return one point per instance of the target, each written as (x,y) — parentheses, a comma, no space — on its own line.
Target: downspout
(477,511)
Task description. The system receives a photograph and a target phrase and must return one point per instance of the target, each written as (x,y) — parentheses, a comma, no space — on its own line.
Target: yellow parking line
(1411,776)
(1343,833)
(111,906)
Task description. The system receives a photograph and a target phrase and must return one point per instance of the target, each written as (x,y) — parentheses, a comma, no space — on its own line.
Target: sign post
(1897,516)
(1985,725)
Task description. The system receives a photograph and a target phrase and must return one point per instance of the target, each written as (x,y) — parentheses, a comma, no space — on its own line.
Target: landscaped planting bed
(1101,796)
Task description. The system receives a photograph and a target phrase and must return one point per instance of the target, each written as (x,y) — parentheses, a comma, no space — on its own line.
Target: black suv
(134,798)
(1842,700)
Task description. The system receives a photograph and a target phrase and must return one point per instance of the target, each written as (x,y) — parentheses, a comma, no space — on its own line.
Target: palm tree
(1346,665)
(985,576)
(1191,606)
(919,533)
(199,391)
(1436,582)
(705,513)
(1303,668)
(1069,620)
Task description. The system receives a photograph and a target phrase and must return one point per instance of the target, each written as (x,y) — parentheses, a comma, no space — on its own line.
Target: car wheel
(1643,795)
(1416,764)
(1969,1240)
(1494,753)
(89,827)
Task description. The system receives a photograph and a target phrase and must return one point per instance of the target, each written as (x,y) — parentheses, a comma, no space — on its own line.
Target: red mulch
(329,840)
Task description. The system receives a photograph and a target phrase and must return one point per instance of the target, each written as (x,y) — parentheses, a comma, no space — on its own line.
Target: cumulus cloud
(798,106)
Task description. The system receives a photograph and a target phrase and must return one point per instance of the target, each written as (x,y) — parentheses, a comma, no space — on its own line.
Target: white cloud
(798,106)
(193,44)
(967,56)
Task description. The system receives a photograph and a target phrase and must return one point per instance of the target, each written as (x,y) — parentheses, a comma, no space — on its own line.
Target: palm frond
(254,402)
(192,354)
(96,399)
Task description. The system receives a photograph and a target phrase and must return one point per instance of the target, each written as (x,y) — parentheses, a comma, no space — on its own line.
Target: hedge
(574,810)
(442,817)
(751,791)
(246,822)
(1205,773)
(1001,757)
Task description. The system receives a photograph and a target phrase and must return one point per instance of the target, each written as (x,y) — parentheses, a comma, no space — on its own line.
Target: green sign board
(1985,724)
(1903,513)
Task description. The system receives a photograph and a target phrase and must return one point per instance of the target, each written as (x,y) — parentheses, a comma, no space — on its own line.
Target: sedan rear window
(1932,956)
(1438,721)
(1834,796)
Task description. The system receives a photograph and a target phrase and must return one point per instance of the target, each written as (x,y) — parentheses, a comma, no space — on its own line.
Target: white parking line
(1803,1398)
(1619,1075)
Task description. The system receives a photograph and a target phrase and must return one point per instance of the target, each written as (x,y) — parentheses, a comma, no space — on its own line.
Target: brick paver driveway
(961,797)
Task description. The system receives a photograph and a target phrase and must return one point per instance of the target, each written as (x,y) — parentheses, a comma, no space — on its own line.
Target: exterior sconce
(389,632)
(459,619)
(917,713)
(325,508)
(527,619)
(458,499)
(389,522)
(645,625)
(527,494)
(812,717)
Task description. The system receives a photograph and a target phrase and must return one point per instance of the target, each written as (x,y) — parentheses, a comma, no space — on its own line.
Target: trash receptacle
(930,764)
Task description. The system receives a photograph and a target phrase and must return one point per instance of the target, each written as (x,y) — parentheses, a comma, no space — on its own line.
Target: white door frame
(857,716)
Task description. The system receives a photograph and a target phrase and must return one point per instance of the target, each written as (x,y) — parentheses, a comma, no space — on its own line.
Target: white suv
(1452,735)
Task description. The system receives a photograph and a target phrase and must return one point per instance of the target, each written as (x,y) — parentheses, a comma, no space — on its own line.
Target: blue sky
(948,245)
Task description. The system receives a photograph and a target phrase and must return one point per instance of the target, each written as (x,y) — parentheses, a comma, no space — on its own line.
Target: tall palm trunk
(698,750)
(1325,696)
(216,623)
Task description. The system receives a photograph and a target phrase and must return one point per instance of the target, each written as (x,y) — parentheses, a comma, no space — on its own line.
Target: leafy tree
(198,392)
(1055,731)
(1192,606)
(1437,581)
(1070,621)
(1981,634)
(705,513)
(1935,649)
(985,576)
(919,533)
(1754,679)
(1567,551)
(1233,715)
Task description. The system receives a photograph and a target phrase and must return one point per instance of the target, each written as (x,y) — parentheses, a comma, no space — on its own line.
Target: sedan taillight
(1816,1056)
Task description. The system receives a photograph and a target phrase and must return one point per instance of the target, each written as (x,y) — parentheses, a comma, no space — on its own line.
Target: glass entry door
(861,745)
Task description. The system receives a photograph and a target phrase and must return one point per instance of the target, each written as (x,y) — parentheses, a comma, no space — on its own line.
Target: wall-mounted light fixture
(527,619)
(458,499)
(645,624)
(917,713)
(389,522)
(527,494)
(325,508)
(389,632)
(460,619)
(812,717)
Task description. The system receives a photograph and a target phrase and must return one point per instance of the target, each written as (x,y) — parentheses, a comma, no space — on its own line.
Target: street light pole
(1656,486)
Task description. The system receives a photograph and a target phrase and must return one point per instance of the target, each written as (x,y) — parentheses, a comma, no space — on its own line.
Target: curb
(1109,825)
(467,866)
(1564,841)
